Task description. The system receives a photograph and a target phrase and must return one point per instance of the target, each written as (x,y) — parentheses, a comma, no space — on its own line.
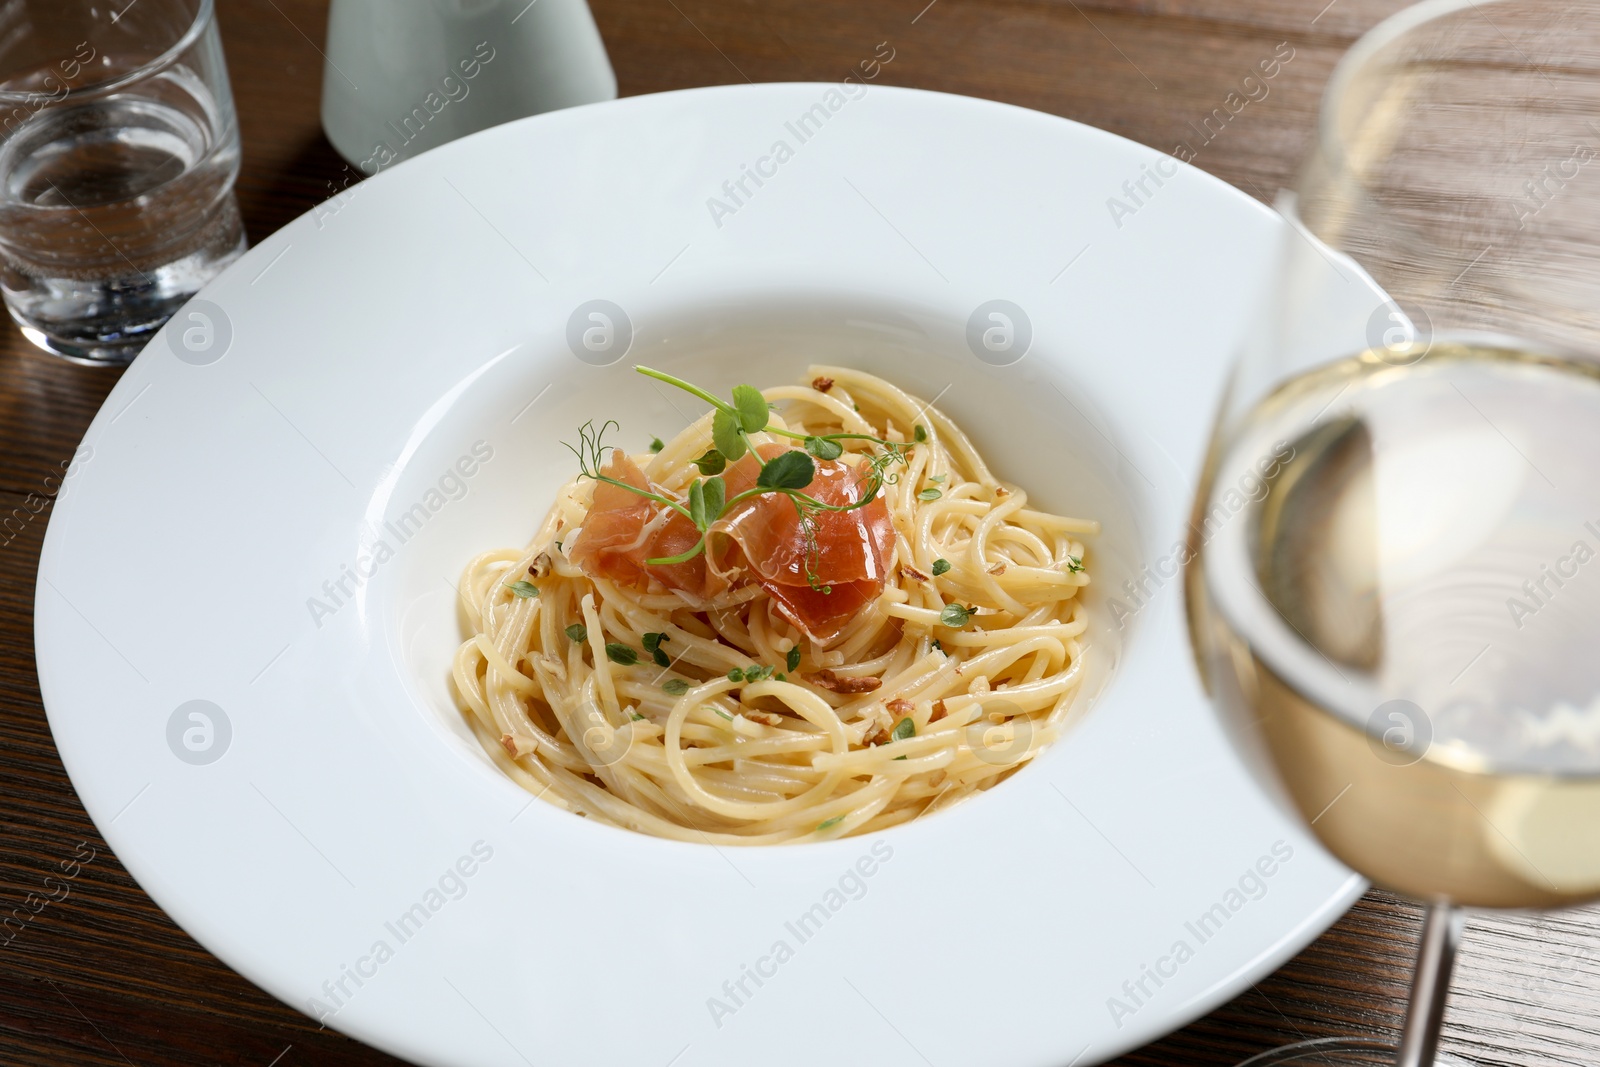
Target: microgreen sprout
(711,462)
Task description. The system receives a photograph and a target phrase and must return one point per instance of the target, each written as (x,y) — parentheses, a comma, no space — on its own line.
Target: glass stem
(1430,985)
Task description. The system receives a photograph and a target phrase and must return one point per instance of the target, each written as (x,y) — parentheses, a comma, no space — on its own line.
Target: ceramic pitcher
(402,76)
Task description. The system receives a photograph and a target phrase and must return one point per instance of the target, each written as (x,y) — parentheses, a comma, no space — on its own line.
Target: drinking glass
(1394,578)
(118,153)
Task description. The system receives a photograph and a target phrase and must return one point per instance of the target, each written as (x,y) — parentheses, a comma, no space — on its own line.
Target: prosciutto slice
(761,540)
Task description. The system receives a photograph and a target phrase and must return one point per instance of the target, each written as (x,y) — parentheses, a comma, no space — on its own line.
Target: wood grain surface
(103,977)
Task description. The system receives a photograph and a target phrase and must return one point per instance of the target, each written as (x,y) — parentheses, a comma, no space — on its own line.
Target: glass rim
(1369,44)
(1374,1050)
(204,17)
(1321,1047)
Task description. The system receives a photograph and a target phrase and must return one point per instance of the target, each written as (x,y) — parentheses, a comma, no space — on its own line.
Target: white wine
(1406,601)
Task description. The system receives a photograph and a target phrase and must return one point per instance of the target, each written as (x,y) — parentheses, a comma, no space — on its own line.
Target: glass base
(106,320)
(1341,1052)
(105,343)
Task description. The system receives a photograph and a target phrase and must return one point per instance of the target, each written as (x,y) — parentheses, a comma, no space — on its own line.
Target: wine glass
(1394,578)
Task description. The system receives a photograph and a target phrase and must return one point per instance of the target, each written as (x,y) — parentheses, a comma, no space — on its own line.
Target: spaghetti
(729,663)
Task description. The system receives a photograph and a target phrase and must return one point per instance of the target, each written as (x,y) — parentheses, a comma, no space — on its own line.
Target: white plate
(336,375)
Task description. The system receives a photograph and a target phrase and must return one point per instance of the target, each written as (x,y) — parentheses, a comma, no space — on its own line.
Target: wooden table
(103,977)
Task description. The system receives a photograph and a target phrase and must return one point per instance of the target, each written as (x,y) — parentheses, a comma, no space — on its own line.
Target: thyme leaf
(955,616)
(652,644)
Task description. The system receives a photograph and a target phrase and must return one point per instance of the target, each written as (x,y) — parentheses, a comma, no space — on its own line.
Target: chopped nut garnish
(998,568)
(546,662)
(835,684)
(913,572)
(516,747)
(822,385)
(1001,490)
(540,567)
(936,779)
(939,712)
(901,707)
(766,718)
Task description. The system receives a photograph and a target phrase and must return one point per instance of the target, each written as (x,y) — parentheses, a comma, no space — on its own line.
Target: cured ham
(623,529)
(818,582)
